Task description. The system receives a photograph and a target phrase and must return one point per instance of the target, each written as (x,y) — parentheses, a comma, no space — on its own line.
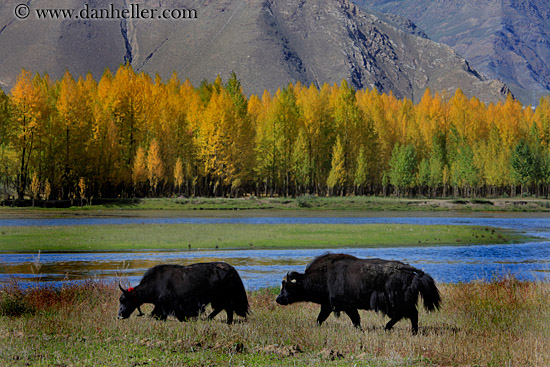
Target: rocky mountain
(268,43)
(504,39)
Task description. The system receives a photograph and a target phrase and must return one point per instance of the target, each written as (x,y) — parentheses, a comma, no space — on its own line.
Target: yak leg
(354,316)
(229,312)
(159,313)
(181,316)
(392,322)
(324,313)
(214,313)
(140,312)
(413,315)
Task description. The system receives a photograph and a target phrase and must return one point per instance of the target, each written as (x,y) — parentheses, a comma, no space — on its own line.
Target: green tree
(276,135)
(362,170)
(403,163)
(424,174)
(464,173)
(525,165)
(301,163)
(8,163)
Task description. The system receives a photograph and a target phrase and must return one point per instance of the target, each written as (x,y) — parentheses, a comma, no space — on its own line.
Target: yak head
(292,289)
(129,301)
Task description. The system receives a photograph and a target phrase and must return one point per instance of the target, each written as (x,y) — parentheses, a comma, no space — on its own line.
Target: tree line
(130,135)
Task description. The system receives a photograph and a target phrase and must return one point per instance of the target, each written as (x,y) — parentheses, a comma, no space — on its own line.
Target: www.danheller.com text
(132,11)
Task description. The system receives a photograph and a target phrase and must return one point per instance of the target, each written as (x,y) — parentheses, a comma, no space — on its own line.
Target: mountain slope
(268,43)
(504,39)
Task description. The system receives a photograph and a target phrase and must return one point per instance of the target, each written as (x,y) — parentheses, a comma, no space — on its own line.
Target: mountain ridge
(504,39)
(267,43)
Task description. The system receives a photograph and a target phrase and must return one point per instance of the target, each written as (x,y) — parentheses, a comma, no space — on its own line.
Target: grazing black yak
(184,291)
(340,282)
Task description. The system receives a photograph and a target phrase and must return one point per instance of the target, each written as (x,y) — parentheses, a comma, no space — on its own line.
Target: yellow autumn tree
(318,134)
(35,187)
(127,106)
(82,190)
(74,109)
(337,177)
(28,107)
(178,174)
(140,171)
(155,166)
(105,145)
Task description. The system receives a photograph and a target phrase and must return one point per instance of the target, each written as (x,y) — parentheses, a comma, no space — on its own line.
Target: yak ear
(285,279)
(293,277)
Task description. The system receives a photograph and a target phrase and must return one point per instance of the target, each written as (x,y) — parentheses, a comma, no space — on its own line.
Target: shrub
(499,303)
(13,302)
(304,201)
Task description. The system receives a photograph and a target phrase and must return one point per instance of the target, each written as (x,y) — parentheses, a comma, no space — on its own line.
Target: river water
(262,268)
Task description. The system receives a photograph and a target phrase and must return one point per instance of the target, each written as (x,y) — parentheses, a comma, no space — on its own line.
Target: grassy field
(233,236)
(504,322)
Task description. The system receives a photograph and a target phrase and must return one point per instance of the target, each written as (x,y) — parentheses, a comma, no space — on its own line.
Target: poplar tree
(28,106)
(155,166)
(337,177)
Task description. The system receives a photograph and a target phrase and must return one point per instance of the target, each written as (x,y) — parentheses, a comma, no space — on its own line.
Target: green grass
(503,322)
(234,236)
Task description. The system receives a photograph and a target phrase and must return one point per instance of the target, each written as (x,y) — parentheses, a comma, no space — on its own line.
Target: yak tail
(425,285)
(239,297)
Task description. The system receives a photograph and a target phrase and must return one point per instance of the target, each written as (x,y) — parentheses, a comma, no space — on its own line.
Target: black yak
(340,282)
(184,291)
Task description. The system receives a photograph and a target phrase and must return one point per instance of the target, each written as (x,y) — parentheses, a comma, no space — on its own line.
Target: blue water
(261,268)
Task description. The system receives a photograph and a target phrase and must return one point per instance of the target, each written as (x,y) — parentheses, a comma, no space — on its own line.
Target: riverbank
(305,205)
(495,323)
(135,237)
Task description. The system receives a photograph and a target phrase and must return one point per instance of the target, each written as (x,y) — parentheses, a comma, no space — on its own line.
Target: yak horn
(122,289)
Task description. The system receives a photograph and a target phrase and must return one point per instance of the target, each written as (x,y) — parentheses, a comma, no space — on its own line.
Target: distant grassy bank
(303,205)
(497,323)
(242,236)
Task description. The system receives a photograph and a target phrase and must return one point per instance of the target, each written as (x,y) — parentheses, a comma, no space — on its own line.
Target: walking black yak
(340,282)
(184,291)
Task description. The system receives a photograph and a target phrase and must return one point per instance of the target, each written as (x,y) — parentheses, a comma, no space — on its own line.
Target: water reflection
(261,268)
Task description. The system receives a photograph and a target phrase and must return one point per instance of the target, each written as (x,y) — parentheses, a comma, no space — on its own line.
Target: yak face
(128,303)
(292,289)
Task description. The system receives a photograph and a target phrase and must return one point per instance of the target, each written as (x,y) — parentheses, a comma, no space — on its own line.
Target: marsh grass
(242,235)
(503,322)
